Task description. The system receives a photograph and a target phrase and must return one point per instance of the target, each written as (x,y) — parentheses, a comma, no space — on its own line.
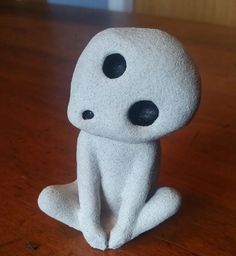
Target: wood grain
(210,11)
(39,45)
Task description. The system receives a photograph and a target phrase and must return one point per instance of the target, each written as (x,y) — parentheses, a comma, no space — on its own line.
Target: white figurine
(130,87)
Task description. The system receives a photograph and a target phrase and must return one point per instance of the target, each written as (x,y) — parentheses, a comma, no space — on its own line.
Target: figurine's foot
(61,202)
(162,205)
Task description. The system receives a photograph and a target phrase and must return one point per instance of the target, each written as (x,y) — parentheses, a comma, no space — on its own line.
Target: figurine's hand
(119,236)
(92,231)
(95,236)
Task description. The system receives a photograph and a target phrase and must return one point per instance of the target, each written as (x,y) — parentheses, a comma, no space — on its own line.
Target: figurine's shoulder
(91,139)
(86,138)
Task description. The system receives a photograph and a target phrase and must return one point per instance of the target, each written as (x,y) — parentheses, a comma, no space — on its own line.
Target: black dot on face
(87,114)
(114,65)
(143,113)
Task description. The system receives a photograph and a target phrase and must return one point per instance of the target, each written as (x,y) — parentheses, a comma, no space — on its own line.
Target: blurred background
(222,12)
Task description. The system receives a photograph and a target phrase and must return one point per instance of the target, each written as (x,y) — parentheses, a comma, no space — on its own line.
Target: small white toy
(130,87)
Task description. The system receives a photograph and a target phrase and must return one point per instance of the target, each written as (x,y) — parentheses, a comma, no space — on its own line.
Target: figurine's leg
(61,202)
(162,205)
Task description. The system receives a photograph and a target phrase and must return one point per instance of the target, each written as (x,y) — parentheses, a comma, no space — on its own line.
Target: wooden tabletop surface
(39,46)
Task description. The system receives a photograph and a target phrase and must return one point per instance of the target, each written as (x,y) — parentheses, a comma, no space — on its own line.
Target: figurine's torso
(115,161)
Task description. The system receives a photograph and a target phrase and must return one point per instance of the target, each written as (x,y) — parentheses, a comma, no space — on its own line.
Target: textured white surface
(115,197)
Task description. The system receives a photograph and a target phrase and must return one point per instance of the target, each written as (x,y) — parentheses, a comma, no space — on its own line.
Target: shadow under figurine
(130,87)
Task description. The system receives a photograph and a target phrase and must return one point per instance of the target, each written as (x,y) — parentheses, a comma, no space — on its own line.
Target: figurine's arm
(89,194)
(134,196)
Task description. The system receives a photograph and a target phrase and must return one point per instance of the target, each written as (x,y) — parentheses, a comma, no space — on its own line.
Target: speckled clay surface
(130,87)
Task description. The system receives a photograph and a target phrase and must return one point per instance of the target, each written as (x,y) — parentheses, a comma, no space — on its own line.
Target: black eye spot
(114,65)
(143,113)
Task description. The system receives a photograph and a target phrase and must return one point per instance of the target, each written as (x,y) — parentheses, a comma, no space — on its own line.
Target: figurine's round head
(133,85)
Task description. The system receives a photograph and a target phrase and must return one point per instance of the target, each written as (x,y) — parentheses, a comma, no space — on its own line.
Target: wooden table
(39,46)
